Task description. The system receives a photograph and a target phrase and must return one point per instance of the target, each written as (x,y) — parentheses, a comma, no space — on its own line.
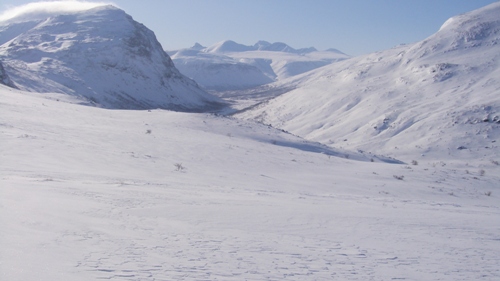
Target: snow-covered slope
(228,65)
(88,193)
(438,98)
(100,55)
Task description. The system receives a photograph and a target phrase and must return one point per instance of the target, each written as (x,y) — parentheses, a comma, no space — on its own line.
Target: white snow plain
(90,193)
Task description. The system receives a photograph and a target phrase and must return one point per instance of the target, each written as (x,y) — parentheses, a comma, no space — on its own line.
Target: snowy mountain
(432,99)
(100,55)
(228,65)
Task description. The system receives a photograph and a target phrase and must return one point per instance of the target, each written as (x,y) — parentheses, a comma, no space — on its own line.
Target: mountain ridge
(227,46)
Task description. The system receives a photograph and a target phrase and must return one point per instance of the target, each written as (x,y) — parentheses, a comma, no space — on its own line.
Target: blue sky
(353,26)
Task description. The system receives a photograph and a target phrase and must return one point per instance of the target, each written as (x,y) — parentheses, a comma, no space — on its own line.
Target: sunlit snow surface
(89,193)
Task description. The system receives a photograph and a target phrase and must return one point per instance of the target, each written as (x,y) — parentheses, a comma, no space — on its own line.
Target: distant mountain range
(228,65)
(229,46)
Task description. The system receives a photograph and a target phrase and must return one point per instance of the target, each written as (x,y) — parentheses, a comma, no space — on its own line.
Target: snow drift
(438,97)
(101,55)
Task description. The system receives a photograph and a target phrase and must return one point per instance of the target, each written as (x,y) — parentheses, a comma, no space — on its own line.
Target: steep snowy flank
(100,55)
(4,78)
(228,65)
(433,99)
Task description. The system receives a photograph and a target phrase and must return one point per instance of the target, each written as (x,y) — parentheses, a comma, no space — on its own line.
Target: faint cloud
(47,8)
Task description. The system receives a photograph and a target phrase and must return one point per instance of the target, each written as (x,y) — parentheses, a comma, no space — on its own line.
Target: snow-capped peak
(474,29)
(261,44)
(197,46)
(486,14)
(227,46)
(278,47)
(469,29)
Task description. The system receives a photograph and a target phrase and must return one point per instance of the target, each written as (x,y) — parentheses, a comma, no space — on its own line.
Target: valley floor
(90,194)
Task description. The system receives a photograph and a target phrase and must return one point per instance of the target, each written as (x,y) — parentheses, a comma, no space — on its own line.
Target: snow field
(90,193)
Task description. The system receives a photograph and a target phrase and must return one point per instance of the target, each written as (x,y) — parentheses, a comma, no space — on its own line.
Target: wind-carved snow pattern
(100,55)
